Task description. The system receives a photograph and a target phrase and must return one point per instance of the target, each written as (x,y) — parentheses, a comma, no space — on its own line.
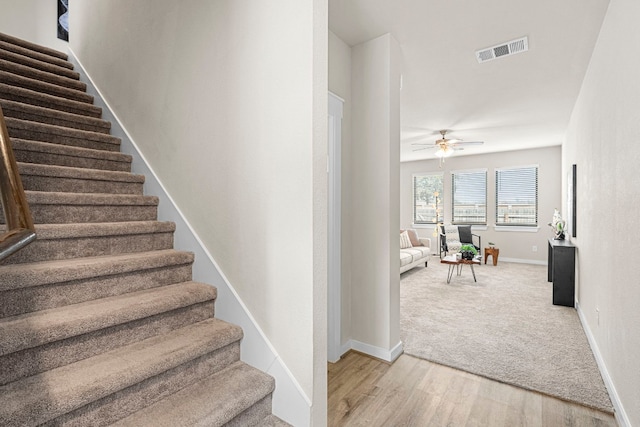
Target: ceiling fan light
(444,152)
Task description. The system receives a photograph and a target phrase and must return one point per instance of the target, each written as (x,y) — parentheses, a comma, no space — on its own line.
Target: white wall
(317,11)
(375,138)
(514,245)
(227,101)
(340,84)
(32,20)
(602,141)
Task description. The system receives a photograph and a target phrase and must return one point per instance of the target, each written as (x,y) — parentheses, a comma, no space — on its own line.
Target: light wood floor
(412,392)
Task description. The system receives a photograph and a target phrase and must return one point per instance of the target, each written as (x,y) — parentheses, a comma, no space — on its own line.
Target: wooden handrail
(19,230)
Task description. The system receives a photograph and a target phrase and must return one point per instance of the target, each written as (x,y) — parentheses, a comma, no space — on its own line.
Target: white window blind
(427,198)
(469,197)
(517,196)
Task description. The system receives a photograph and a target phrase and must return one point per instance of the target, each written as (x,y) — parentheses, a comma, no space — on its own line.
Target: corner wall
(340,84)
(227,102)
(602,140)
(375,163)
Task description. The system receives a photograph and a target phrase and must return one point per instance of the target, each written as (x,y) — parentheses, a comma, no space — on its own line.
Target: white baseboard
(523,261)
(621,415)
(289,400)
(373,351)
(396,351)
(345,348)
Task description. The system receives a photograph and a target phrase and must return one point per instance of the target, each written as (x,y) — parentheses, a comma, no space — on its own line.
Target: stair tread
(22,94)
(79,179)
(88,239)
(98,199)
(33,47)
(78,173)
(38,56)
(55,324)
(67,231)
(68,150)
(46,272)
(273,421)
(9,106)
(18,56)
(66,206)
(13,123)
(50,394)
(13,79)
(212,401)
(41,75)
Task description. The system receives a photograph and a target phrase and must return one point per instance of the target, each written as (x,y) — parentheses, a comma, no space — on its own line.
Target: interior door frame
(334,256)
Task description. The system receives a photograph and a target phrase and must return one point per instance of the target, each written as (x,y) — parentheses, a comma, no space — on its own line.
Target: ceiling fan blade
(467,143)
(419,149)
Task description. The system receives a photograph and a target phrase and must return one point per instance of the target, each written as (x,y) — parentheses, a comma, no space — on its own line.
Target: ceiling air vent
(504,49)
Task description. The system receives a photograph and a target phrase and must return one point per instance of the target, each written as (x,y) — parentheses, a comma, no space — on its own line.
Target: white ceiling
(515,102)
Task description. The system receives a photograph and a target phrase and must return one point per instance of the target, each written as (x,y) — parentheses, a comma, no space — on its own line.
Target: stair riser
(18,94)
(68,214)
(111,144)
(17,58)
(121,404)
(44,87)
(40,157)
(254,415)
(56,249)
(72,185)
(42,117)
(43,76)
(26,300)
(50,356)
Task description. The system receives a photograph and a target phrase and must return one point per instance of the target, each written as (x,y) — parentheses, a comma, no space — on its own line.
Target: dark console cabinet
(561,270)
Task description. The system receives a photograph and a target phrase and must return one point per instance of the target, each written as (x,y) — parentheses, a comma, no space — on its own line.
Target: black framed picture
(572,200)
(63,20)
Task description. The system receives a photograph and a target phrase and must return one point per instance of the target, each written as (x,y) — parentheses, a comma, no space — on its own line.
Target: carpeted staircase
(100,322)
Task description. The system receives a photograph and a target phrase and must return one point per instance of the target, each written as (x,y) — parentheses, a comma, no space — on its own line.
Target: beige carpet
(503,327)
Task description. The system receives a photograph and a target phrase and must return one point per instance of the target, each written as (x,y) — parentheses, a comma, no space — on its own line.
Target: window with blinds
(469,197)
(427,198)
(517,196)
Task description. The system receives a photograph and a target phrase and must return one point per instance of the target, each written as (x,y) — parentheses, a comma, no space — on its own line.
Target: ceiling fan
(446,146)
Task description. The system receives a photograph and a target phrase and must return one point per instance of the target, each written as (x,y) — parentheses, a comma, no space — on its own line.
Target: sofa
(414,250)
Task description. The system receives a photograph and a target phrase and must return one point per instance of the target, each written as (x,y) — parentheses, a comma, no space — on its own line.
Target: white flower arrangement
(558,225)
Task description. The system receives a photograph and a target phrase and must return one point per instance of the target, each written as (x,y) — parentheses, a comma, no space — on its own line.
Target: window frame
(513,225)
(440,207)
(453,196)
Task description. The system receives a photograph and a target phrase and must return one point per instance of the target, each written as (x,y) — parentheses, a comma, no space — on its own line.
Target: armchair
(452,237)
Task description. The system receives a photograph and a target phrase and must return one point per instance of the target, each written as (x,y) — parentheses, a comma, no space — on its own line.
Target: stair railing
(19,230)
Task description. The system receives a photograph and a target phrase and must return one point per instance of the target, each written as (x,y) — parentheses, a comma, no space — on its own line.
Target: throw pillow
(451,232)
(405,242)
(413,236)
